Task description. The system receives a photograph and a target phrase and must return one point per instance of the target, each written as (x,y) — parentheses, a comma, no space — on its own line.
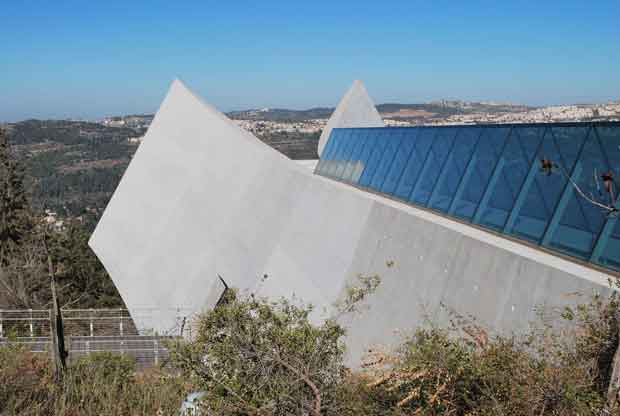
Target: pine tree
(15,218)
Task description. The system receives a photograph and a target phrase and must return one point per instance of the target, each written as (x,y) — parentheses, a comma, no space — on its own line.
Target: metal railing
(97,330)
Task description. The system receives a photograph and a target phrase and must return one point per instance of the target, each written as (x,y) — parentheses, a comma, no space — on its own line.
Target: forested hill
(72,167)
(31,247)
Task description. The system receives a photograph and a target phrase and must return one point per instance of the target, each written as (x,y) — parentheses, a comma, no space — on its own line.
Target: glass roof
(553,185)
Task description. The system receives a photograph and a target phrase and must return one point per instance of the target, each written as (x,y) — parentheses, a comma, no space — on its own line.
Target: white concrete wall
(202,197)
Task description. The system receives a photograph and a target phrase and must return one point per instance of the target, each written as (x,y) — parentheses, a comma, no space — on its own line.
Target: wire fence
(97,330)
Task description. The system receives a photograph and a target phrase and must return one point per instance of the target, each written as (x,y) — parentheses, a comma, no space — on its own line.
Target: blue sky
(92,59)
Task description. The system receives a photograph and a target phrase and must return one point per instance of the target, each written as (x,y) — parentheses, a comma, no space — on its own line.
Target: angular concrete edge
(174,168)
(203,198)
(355,109)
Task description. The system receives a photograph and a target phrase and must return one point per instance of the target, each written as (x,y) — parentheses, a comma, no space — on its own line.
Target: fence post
(120,321)
(31,325)
(1,327)
(156,351)
(50,316)
(92,326)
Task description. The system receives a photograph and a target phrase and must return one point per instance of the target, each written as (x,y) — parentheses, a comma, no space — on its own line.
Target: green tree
(24,280)
(83,279)
(15,215)
(254,357)
(21,266)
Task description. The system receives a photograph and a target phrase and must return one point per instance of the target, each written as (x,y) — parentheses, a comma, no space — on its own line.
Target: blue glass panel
(422,145)
(350,140)
(400,161)
(342,141)
(483,164)
(381,138)
(495,178)
(562,146)
(442,145)
(580,221)
(511,172)
(354,160)
(336,138)
(454,168)
(325,156)
(607,249)
(611,253)
(364,157)
(393,140)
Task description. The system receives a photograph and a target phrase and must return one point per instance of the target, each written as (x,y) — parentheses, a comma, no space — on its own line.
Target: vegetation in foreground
(100,384)
(26,240)
(254,357)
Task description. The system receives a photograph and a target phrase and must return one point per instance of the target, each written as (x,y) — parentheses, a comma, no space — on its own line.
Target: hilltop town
(267,121)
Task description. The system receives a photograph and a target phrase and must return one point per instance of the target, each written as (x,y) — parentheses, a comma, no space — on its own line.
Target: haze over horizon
(70,60)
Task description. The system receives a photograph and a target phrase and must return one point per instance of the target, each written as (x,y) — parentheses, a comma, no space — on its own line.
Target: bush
(26,382)
(439,372)
(99,384)
(252,356)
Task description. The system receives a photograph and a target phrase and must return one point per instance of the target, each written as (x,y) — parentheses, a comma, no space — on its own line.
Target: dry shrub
(467,372)
(253,357)
(256,357)
(25,382)
(99,384)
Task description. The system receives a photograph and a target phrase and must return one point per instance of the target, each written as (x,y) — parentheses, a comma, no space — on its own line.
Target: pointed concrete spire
(356,109)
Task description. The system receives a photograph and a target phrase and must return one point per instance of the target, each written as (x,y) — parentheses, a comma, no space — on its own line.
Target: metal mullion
(326,154)
(338,143)
(349,151)
(560,206)
(411,152)
(579,202)
(377,167)
(524,189)
(442,170)
(392,162)
(466,175)
(349,143)
(422,170)
(495,175)
(603,238)
(369,139)
(603,235)
(607,229)
(357,149)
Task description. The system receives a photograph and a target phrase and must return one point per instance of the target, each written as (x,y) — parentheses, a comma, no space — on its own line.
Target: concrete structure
(355,109)
(203,198)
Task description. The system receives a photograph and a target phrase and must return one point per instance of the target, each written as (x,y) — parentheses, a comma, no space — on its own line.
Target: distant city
(268,121)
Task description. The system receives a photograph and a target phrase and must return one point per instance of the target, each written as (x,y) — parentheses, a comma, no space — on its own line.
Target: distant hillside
(75,166)
(280,114)
(432,110)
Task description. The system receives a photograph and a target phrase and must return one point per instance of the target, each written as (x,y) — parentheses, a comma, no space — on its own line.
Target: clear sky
(90,59)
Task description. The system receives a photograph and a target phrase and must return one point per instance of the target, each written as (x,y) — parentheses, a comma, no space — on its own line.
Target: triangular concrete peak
(179,89)
(356,109)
